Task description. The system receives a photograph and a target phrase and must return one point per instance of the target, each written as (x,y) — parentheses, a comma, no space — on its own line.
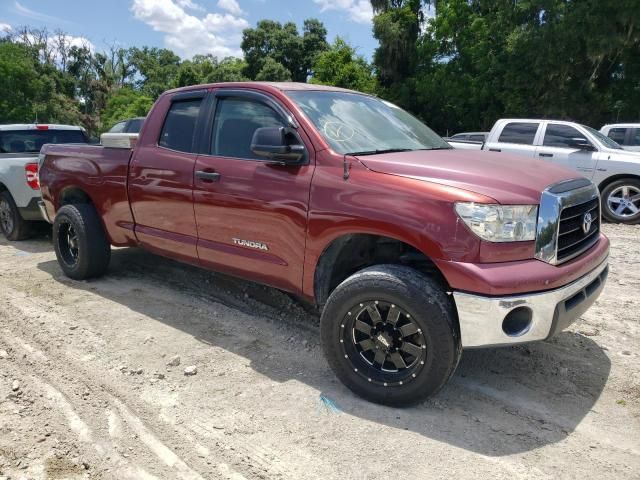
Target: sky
(187,27)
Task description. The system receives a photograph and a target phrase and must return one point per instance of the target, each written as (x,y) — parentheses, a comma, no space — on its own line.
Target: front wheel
(80,242)
(621,201)
(389,334)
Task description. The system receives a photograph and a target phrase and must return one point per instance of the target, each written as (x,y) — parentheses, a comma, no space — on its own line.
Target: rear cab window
(118,127)
(178,131)
(135,125)
(31,141)
(521,133)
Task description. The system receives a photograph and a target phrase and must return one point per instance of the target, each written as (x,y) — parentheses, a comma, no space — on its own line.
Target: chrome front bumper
(482,318)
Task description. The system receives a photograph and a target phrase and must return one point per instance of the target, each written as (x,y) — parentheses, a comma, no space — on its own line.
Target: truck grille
(568,221)
(572,239)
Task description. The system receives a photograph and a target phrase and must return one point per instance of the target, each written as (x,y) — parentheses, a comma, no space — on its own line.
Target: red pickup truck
(411,250)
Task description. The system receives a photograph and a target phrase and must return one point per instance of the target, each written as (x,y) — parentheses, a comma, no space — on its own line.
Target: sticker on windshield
(338,132)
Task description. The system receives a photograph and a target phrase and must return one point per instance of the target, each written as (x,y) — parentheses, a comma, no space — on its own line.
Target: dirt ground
(87,389)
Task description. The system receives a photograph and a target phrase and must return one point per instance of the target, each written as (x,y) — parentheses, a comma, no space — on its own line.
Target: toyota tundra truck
(412,251)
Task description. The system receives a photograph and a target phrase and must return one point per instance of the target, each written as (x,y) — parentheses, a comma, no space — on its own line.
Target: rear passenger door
(556,147)
(516,138)
(161,178)
(251,213)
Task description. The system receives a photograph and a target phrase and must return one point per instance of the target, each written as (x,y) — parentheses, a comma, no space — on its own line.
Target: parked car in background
(19,188)
(132,125)
(411,250)
(467,140)
(614,170)
(627,135)
(469,136)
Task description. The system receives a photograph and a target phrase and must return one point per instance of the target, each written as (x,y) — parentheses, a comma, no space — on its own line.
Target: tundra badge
(251,244)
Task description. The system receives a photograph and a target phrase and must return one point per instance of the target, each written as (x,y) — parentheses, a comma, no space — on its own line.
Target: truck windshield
(31,141)
(358,124)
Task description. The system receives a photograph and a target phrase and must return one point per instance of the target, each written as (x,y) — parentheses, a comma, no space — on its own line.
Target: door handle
(545,154)
(207,176)
(495,149)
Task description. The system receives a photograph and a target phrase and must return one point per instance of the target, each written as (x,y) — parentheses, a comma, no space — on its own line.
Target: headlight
(500,223)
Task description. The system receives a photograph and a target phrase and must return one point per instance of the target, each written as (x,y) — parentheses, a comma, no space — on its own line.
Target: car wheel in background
(80,242)
(12,225)
(621,201)
(389,334)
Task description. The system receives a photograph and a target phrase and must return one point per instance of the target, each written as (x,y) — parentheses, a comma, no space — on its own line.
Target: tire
(407,301)
(80,242)
(621,201)
(12,225)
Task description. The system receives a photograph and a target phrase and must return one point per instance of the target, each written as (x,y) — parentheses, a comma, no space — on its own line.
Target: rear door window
(617,135)
(519,133)
(635,138)
(560,135)
(179,127)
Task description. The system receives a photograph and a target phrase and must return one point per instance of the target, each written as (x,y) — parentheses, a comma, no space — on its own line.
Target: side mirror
(279,144)
(581,144)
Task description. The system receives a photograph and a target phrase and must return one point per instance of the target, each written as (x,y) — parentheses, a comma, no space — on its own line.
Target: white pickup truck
(19,187)
(615,171)
(627,135)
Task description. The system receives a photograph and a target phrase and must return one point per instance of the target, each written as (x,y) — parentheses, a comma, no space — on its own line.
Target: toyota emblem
(586,222)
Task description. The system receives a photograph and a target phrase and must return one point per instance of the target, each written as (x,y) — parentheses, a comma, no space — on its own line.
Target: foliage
(272,42)
(480,60)
(340,66)
(272,71)
(473,62)
(125,103)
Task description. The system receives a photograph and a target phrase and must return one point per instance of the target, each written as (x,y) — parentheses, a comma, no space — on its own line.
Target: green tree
(340,66)
(273,71)
(21,86)
(156,67)
(228,69)
(272,41)
(125,103)
(479,60)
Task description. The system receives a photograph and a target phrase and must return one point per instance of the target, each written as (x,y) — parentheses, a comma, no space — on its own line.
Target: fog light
(517,322)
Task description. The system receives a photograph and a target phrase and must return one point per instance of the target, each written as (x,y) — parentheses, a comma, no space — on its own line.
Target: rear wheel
(621,201)
(12,225)
(80,242)
(389,335)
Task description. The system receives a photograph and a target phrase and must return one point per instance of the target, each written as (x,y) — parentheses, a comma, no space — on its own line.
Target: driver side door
(557,148)
(251,213)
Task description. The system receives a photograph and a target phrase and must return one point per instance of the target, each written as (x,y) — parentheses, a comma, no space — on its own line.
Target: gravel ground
(161,370)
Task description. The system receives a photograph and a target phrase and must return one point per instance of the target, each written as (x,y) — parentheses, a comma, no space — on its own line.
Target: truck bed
(99,171)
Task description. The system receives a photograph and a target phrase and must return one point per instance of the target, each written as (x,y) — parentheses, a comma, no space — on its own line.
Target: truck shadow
(39,242)
(499,402)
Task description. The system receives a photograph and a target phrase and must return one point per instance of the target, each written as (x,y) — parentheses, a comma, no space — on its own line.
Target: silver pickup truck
(19,187)
(615,171)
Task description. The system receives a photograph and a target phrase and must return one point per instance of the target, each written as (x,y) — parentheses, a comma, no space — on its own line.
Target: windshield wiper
(378,152)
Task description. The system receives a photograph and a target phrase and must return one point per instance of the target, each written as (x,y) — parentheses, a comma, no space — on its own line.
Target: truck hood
(509,179)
